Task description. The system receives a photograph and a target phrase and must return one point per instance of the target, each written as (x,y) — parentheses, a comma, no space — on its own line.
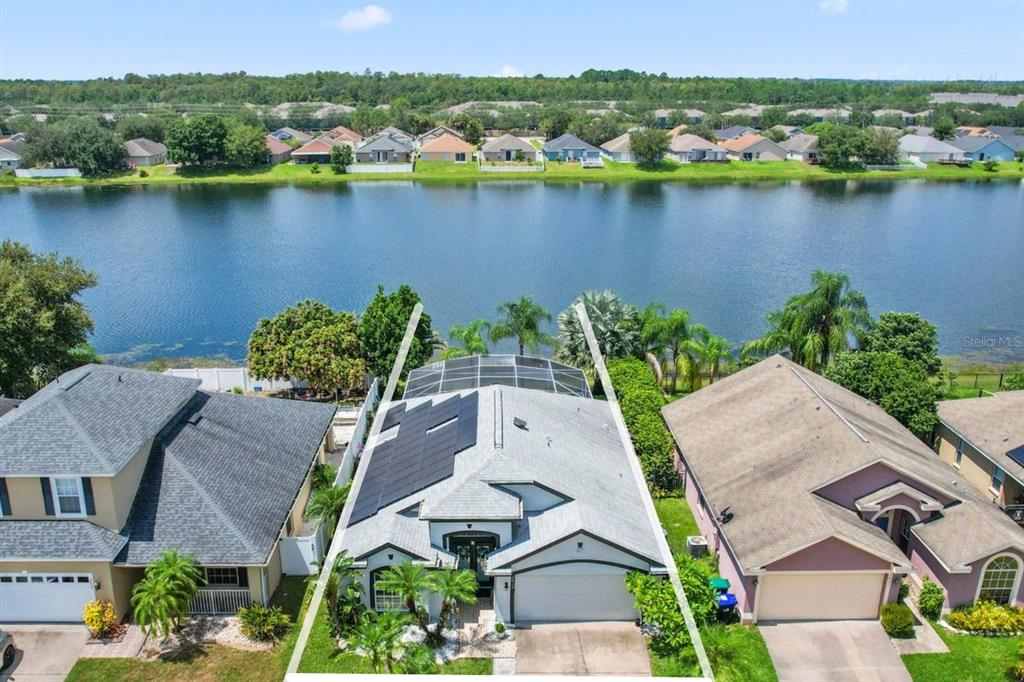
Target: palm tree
(675,333)
(453,587)
(816,325)
(652,335)
(380,639)
(616,328)
(707,350)
(327,504)
(160,600)
(154,607)
(471,337)
(409,581)
(716,349)
(523,321)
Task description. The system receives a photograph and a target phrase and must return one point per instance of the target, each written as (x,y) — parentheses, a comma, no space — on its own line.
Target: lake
(189,270)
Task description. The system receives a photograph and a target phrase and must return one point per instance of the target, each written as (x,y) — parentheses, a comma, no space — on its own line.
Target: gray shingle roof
(972,143)
(89,422)
(915,144)
(570,446)
(508,141)
(733,132)
(965,533)
(567,141)
(993,424)
(800,143)
(385,142)
(220,481)
(1016,142)
(688,142)
(622,143)
(71,540)
(140,146)
(7,404)
(763,440)
(8,154)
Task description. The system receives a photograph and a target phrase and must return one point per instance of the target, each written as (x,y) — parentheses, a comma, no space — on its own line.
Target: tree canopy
(199,139)
(43,322)
(648,145)
(909,336)
(616,326)
(75,143)
(245,145)
(383,325)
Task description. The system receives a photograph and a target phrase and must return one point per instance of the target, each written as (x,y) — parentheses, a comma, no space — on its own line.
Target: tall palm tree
(616,328)
(716,349)
(523,321)
(410,581)
(705,350)
(471,339)
(380,639)
(675,333)
(652,342)
(453,587)
(160,600)
(816,325)
(327,504)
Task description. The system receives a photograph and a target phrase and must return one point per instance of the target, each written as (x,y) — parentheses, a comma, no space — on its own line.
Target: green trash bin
(719,584)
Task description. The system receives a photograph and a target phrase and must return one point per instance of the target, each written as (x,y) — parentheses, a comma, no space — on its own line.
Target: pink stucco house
(819,503)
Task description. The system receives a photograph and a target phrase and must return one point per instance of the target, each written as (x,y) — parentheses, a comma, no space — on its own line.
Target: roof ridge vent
(499,421)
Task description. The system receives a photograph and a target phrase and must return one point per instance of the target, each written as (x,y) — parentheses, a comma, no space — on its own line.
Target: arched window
(382,600)
(999,580)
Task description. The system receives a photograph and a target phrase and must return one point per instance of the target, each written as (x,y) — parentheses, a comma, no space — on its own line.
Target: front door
(902,538)
(470,551)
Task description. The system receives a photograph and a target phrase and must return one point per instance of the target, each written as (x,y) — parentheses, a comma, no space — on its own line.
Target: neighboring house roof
(321,145)
(974,130)
(276,146)
(438,131)
(744,142)
(921,144)
(141,146)
(8,155)
(1014,142)
(841,111)
(222,478)
(762,441)
(286,132)
(889,112)
(447,143)
(568,445)
(788,130)
(689,113)
(733,132)
(509,142)
(993,424)
(1002,131)
(91,421)
(7,404)
(801,143)
(688,143)
(67,540)
(342,133)
(567,141)
(974,143)
(924,131)
(753,110)
(618,144)
(398,134)
(385,142)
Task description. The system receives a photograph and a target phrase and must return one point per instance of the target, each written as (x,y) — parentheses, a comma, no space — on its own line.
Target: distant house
(398,134)
(977,131)
(277,151)
(788,131)
(436,133)
(1015,142)
(663,117)
(143,152)
(922,130)
(619,149)
(732,132)
(9,160)
(316,151)
(928,149)
(906,118)
(447,147)
(754,148)
(978,148)
(568,147)
(292,134)
(687,148)
(751,110)
(840,115)
(1003,131)
(345,135)
(801,147)
(508,148)
(384,148)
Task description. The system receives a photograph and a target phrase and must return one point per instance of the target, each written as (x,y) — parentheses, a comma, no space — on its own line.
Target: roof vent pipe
(520,423)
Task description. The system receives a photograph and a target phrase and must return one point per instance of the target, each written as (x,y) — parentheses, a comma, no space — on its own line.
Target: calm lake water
(189,270)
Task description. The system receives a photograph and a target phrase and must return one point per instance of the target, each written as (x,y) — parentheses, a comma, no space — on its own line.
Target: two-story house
(506,466)
(105,468)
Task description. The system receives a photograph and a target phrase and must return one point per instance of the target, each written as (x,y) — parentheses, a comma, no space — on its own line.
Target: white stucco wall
(592,550)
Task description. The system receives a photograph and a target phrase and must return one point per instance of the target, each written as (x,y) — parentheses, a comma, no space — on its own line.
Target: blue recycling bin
(726,601)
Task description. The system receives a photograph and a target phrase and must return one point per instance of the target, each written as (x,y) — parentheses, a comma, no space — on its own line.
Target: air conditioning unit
(696,545)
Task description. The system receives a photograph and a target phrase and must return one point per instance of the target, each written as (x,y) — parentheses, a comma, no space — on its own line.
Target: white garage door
(44,597)
(819,596)
(547,598)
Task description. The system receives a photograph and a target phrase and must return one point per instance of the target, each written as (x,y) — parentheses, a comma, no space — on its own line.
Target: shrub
(263,624)
(987,616)
(991,165)
(499,628)
(904,591)
(898,621)
(99,616)
(656,601)
(143,173)
(930,600)
(696,579)
(323,476)
(315,168)
(1014,382)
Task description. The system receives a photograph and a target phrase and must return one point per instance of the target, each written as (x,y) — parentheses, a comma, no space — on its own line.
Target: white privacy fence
(226,379)
(379,168)
(47,173)
(355,445)
(300,553)
(511,168)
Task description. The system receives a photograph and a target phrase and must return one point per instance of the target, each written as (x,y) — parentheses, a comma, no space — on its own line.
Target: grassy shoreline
(448,173)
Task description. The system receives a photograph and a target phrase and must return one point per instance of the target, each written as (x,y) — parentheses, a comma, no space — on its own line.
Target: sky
(867,39)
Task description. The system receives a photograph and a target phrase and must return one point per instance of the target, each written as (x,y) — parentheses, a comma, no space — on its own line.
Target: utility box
(696,546)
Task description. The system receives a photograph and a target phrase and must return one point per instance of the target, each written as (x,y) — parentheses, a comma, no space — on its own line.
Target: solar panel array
(1017,454)
(460,374)
(420,454)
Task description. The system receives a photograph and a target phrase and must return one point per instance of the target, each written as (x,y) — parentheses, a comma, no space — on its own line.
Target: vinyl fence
(355,445)
(227,379)
(47,173)
(360,168)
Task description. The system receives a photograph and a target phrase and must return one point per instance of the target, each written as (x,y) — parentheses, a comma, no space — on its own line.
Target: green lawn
(224,664)
(441,172)
(970,659)
(677,520)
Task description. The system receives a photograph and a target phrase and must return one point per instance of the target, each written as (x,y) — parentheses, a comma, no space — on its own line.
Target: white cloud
(833,6)
(509,72)
(363,19)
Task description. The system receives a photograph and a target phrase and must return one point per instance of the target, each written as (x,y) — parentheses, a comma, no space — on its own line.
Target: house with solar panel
(506,466)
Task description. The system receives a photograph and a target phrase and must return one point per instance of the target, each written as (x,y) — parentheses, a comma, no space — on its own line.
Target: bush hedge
(898,621)
(263,624)
(930,600)
(641,401)
(987,616)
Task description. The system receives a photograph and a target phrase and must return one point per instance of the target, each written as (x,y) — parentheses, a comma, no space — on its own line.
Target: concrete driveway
(46,653)
(611,648)
(839,651)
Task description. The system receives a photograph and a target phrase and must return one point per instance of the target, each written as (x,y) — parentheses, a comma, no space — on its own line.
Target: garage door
(552,598)
(44,597)
(819,596)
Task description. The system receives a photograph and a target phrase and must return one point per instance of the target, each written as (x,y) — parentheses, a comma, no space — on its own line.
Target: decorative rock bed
(199,630)
(980,633)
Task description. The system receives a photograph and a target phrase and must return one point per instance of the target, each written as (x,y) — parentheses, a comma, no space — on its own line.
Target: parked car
(6,650)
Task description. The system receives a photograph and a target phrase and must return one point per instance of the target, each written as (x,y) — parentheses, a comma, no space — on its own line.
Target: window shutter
(90,504)
(5,500)
(44,483)
(243,576)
